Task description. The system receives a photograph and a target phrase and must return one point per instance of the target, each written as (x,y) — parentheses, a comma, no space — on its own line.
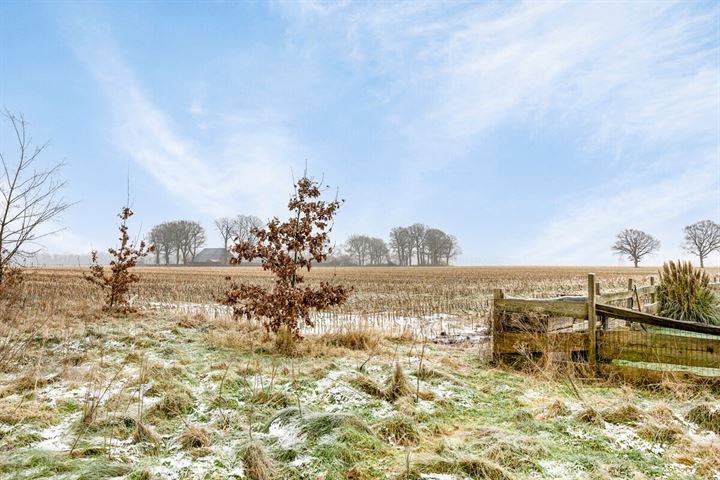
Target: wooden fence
(614,332)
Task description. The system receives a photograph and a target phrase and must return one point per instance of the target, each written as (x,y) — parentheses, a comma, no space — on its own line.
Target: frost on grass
(553,469)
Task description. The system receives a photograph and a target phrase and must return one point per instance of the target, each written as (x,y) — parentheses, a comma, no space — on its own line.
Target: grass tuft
(591,416)
(622,414)
(145,434)
(257,463)
(172,405)
(195,437)
(472,466)
(397,384)
(705,415)
(684,293)
(399,430)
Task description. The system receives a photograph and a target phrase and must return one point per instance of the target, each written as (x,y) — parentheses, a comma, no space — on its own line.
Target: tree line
(179,241)
(417,244)
(700,239)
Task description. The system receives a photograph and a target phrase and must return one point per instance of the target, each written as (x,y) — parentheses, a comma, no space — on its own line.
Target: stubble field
(185,391)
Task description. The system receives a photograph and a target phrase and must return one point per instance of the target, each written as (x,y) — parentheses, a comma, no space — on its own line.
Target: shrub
(118,281)
(684,294)
(285,249)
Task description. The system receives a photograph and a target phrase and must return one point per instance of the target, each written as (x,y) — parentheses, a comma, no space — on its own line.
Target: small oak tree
(635,244)
(701,239)
(118,280)
(286,249)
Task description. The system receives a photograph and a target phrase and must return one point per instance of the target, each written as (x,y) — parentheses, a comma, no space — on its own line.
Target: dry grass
(397,385)
(25,412)
(172,405)
(194,437)
(399,430)
(356,339)
(145,434)
(257,463)
(625,413)
(591,416)
(705,415)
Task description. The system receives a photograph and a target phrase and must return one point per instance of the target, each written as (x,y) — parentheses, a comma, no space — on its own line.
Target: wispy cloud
(241,164)
(637,84)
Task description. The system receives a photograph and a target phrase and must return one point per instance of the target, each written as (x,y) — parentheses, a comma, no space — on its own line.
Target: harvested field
(173,395)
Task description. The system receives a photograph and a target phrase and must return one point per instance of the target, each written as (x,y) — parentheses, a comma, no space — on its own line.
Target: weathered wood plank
(552,308)
(644,376)
(633,316)
(646,290)
(592,318)
(540,342)
(651,308)
(638,346)
(613,297)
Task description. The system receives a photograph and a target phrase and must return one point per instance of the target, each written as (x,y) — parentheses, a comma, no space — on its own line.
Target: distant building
(210,256)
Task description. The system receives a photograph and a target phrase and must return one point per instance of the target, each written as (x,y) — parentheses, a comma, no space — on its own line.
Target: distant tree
(417,239)
(162,236)
(378,251)
(702,238)
(243,227)
(181,238)
(118,280)
(190,237)
(429,246)
(31,198)
(225,226)
(285,249)
(635,244)
(450,249)
(357,247)
(401,244)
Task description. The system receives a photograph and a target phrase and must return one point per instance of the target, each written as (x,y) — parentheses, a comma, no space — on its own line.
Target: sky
(532,131)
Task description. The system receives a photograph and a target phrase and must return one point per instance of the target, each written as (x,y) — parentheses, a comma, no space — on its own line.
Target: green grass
(479,420)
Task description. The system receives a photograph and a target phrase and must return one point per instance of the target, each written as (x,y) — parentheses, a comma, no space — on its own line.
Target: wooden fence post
(604,321)
(497,295)
(629,302)
(653,295)
(592,317)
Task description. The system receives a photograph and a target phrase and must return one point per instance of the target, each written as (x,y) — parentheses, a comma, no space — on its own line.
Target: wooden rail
(636,346)
(648,319)
(545,307)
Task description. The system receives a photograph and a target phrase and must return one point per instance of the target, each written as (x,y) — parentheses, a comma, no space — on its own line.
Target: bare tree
(224,226)
(195,239)
(417,238)
(162,237)
(401,244)
(635,244)
(450,249)
(357,247)
(31,198)
(181,238)
(243,227)
(377,251)
(189,236)
(701,239)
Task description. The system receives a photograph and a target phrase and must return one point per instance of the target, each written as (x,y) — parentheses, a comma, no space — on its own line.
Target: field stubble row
(404,291)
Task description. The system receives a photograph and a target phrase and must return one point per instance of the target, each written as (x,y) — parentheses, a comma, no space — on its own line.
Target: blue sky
(532,131)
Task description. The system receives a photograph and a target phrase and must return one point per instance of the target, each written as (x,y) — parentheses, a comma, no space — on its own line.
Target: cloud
(241,164)
(587,228)
(633,84)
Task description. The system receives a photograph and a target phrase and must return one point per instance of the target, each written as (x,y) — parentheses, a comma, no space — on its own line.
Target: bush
(684,294)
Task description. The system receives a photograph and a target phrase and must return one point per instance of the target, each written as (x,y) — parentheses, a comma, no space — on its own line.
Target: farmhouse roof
(210,255)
